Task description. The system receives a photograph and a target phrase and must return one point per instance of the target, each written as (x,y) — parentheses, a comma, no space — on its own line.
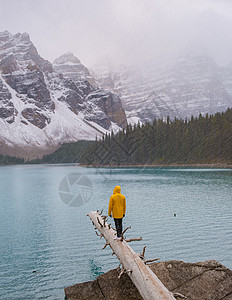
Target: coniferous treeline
(205,139)
(10,160)
(67,153)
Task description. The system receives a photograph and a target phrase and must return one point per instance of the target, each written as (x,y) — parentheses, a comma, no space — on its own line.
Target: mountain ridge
(40,109)
(187,86)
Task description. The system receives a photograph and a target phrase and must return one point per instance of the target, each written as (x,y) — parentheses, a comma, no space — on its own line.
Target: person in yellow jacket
(117,207)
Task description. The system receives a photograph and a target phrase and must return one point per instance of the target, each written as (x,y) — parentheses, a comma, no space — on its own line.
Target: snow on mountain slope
(41,109)
(188,86)
(64,126)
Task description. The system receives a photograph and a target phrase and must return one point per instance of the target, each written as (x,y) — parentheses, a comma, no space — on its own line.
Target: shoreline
(205,280)
(203,165)
(211,166)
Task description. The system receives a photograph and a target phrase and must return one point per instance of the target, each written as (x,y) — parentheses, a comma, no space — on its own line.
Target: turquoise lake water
(46,243)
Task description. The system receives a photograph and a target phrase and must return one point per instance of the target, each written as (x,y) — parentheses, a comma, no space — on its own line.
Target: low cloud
(128,31)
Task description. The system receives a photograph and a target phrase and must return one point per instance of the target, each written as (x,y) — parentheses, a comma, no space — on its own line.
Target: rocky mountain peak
(66,58)
(20,49)
(71,67)
(41,108)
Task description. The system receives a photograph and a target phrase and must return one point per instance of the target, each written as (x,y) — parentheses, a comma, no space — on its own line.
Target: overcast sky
(127,31)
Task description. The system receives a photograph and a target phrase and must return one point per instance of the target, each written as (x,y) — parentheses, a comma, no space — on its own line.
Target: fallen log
(147,283)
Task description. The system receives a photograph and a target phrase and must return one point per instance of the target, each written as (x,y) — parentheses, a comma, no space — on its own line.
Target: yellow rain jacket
(117,204)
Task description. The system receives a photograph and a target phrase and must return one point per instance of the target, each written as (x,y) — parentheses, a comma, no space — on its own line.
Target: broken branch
(150,260)
(143,253)
(122,237)
(120,274)
(179,295)
(106,244)
(129,227)
(99,234)
(99,222)
(134,240)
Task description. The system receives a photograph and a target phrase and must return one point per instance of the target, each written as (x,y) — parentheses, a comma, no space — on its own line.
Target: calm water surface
(39,232)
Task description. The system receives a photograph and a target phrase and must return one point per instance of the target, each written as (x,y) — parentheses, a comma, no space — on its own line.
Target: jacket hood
(117,190)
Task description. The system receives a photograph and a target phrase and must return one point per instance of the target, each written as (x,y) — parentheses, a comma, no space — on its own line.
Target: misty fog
(129,32)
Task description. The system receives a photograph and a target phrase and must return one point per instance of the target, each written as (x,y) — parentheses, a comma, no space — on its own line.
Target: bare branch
(99,234)
(106,244)
(134,240)
(123,271)
(122,237)
(179,295)
(101,212)
(150,260)
(99,222)
(129,227)
(120,274)
(143,253)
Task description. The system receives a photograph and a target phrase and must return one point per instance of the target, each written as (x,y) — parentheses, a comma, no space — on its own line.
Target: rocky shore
(207,280)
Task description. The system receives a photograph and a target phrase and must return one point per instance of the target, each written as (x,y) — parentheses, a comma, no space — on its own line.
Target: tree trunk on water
(147,283)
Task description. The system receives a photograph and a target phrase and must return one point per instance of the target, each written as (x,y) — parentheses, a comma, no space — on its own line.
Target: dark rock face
(95,104)
(33,86)
(7,109)
(110,105)
(197,281)
(35,117)
(22,69)
(98,105)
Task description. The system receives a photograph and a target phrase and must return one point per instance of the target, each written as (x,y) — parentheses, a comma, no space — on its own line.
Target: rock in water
(207,280)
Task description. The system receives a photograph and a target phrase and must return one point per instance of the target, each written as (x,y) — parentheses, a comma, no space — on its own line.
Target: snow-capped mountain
(71,67)
(188,86)
(41,108)
(44,105)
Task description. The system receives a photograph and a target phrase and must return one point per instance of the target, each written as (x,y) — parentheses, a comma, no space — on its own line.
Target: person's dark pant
(118,225)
